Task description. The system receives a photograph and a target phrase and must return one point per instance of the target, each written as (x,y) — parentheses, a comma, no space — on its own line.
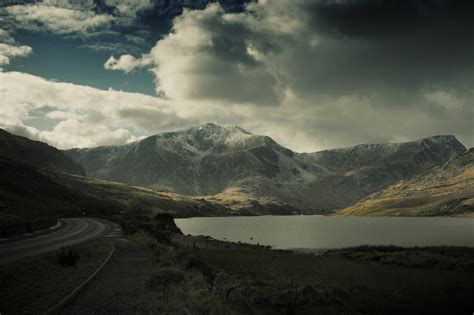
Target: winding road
(72,231)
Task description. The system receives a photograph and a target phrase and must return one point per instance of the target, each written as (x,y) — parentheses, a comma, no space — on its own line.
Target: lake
(322,232)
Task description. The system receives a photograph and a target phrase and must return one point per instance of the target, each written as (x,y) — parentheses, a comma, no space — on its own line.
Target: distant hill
(21,149)
(232,166)
(442,190)
(28,192)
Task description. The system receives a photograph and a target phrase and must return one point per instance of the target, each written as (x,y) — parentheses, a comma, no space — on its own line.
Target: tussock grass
(192,296)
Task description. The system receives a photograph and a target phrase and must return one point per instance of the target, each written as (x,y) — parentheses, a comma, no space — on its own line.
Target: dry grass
(191,296)
(425,201)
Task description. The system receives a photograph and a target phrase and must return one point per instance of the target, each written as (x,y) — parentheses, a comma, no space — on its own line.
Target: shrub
(67,256)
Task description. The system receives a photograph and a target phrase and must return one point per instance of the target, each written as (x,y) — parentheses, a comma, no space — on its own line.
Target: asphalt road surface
(72,231)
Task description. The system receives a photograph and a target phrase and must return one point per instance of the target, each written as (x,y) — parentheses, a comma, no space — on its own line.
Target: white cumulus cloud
(10,49)
(126,63)
(81,116)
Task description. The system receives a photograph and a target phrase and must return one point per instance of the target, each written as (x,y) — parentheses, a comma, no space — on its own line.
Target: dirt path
(118,287)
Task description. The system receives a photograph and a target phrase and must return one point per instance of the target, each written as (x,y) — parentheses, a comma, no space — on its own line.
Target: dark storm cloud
(375,18)
(366,46)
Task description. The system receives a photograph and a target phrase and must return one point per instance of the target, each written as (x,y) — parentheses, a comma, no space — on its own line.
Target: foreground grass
(35,284)
(438,280)
(192,294)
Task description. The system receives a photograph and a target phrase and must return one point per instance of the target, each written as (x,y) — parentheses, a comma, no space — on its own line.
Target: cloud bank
(336,72)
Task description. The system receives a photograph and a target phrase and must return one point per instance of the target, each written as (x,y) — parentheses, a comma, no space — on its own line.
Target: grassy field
(33,285)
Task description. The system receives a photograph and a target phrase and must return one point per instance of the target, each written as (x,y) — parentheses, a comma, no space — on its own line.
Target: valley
(212,170)
(218,171)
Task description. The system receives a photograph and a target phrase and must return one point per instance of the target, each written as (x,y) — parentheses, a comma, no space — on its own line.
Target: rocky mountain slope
(228,164)
(442,190)
(36,153)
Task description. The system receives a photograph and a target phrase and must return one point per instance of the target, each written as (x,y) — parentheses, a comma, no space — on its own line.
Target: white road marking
(58,224)
(91,228)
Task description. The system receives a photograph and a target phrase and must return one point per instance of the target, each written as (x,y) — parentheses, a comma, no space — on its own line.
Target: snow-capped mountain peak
(209,159)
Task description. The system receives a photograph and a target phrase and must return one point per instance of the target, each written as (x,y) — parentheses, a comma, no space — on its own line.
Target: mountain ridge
(443,190)
(210,159)
(38,181)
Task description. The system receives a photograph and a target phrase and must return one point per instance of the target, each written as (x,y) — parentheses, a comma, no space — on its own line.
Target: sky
(312,75)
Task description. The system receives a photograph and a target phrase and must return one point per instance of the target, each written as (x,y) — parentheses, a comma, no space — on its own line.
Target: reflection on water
(320,232)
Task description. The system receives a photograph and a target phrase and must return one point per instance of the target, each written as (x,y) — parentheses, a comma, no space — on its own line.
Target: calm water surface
(321,232)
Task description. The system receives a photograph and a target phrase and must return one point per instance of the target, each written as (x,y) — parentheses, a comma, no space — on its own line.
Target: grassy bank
(210,276)
(398,281)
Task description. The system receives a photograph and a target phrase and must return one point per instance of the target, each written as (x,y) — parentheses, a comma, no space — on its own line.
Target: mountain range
(242,170)
(211,170)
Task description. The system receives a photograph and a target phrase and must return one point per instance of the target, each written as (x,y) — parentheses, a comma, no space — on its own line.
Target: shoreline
(469,215)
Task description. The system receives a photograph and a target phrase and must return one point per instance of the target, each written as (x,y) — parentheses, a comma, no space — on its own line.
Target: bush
(67,256)
(191,296)
(144,238)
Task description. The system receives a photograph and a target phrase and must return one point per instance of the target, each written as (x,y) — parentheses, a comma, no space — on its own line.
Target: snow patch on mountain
(208,159)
